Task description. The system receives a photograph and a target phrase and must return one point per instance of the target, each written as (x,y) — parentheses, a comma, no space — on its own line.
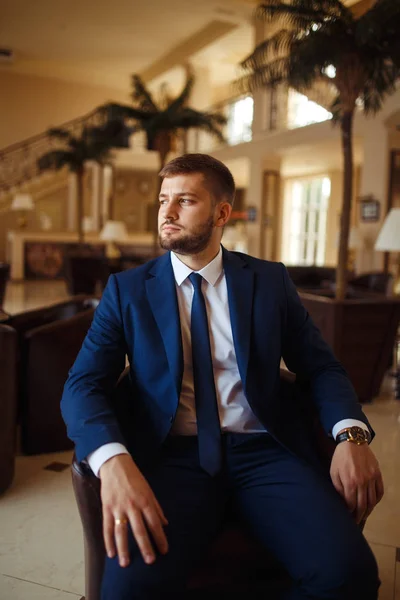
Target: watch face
(358,434)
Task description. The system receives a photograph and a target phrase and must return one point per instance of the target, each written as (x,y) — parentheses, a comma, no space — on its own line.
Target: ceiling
(103,42)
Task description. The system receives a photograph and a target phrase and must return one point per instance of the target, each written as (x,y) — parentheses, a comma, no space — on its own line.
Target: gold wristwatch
(355,435)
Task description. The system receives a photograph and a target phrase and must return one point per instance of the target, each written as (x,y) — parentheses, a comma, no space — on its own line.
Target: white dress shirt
(234,411)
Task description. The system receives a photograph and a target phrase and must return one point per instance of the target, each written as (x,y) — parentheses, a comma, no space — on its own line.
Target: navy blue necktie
(208,426)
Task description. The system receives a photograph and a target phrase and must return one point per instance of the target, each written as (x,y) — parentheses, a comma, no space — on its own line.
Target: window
(240,119)
(302,111)
(306,213)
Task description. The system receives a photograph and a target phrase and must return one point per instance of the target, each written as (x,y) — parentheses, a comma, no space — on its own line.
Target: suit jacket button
(171,419)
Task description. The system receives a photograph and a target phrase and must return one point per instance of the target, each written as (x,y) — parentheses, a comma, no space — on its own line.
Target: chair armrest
(87,493)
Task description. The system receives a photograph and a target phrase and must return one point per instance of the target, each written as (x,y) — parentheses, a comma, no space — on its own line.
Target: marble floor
(22,296)
(41,548)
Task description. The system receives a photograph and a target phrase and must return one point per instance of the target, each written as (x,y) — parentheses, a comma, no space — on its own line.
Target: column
(254,199)
(72,200)
(95,199)
(260,96)
(200,99)
(374,181)
(107,173)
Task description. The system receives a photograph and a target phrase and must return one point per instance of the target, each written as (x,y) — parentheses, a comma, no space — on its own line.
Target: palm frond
(305,61)
(380,23)
(58,133)
(77,144)
(113,133)
(217,118)
(189,118)
(268,75)
(309,54)
(97,151)
(279,43)
(183,97)
(56,159)
(302,14)
(122,111)
(142,96)
(381,81)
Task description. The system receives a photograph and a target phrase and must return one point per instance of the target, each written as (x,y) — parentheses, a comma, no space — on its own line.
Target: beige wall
(134,193)
(29,105)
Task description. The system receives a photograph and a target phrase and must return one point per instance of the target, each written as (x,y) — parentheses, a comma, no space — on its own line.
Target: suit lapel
(161,293)
(240,284)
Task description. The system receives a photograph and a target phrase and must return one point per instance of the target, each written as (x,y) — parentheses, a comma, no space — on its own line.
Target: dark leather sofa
(8,404)
(237,565)
(379,282)
(311,276)
(315,278)
(49,340)
(4,276)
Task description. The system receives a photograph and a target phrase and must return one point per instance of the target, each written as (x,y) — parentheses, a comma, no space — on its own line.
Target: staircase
(18,163)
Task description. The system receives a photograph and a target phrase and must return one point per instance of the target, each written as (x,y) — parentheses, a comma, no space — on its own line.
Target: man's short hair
(217,176)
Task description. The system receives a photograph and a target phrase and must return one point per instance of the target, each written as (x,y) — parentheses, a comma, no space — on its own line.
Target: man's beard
(193,243)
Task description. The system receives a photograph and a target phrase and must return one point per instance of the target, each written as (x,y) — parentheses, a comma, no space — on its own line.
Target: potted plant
(95,144)
(361,55)
(163,121)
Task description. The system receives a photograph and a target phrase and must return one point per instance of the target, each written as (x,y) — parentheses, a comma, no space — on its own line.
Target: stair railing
(18,162)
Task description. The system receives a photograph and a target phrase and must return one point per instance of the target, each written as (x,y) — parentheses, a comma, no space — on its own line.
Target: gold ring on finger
(120,521)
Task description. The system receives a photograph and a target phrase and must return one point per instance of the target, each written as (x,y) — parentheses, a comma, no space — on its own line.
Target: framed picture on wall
(369,209)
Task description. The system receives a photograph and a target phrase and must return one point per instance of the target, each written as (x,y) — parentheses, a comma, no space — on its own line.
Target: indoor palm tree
(94,143)
(163,120)
(316,36)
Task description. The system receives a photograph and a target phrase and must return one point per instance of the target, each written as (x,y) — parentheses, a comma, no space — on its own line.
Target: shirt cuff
(348,423)
(97,458)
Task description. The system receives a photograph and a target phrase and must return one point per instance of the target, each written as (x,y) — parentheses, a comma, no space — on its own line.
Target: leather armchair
(236,563)
(49,340)
(4,275)
(8,404)
(311,277)
(86,274)
(373,282)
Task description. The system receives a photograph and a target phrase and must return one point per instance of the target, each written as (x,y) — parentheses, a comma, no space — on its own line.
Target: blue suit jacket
(138,316)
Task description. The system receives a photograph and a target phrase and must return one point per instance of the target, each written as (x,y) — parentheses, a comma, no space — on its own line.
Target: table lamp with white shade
(388,240)
(112,232)
(22,203)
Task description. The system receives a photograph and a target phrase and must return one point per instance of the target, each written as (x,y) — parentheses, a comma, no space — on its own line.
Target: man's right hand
(128,499)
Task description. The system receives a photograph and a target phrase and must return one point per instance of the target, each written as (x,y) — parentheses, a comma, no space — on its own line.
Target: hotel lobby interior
(64,231)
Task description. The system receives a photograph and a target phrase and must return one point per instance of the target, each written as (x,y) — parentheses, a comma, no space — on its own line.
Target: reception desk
(40,255)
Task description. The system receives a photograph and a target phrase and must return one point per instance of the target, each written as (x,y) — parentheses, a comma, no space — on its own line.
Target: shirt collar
(210,272)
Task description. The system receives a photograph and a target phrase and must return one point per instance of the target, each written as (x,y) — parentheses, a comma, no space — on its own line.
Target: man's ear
(223,213)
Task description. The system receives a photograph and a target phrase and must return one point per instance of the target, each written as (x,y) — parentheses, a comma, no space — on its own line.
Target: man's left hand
(356,475)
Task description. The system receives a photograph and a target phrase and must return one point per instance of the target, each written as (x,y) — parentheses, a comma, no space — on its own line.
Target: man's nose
(170,211)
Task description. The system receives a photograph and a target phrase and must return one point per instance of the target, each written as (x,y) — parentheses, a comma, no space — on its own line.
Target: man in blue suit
(204,330)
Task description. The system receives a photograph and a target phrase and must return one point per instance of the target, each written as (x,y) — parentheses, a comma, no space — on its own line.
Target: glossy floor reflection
(41,549)
(29,295)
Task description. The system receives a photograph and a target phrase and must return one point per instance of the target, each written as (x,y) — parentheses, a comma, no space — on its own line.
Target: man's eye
(163,202)
(186,200)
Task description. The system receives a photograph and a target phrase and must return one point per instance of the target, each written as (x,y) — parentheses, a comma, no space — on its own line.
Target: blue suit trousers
(293,510)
